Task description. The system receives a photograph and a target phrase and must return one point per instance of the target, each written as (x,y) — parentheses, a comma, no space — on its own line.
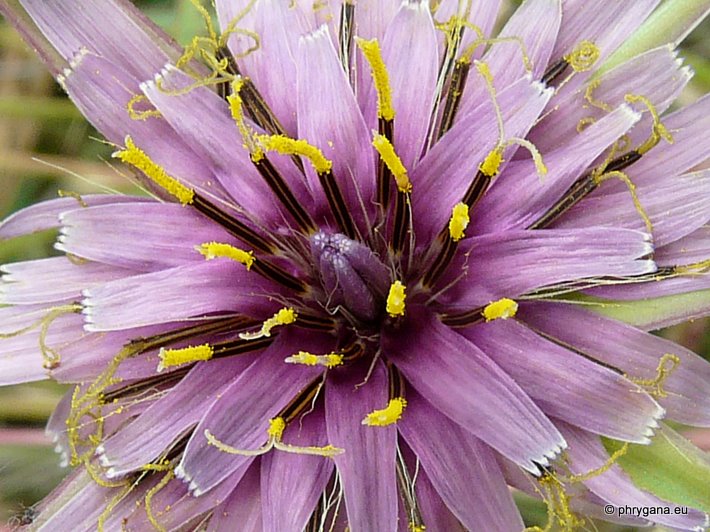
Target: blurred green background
(46,146)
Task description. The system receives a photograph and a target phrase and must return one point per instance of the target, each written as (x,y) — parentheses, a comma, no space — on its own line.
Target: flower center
(353,278)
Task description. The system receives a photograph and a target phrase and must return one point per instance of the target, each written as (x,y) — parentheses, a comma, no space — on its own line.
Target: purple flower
(372,285)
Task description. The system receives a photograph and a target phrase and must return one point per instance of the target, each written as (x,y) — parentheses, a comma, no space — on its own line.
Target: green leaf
(670,23)
(670,467)
(651,313)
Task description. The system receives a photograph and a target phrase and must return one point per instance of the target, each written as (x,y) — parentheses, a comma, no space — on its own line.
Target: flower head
(371,282)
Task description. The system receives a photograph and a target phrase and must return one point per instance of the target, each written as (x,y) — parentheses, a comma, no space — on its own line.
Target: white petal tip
(111,473)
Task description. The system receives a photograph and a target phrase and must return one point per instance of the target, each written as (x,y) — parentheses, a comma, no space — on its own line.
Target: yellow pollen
(213,250)
(583,57)
(380,76)
(658,130)
(136,114)
(395,299)
(388,415)
(394,163)
(276,427)
(137,158)
(500,310)
(285,316)
(178,357)
(491,164)
(287,146)
(666,366)
(416,528)
(235,107)
(458,222)
(330,360)
(616,174)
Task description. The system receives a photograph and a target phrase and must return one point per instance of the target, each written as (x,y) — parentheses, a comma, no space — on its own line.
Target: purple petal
(586,453)
(329,118)
(692,248)
(676,207)
(515,262)
(203,120)
(113,29)
(410,52)
(52,280)
(435,514)
(143,237)
(145,438)
(606,23)
(506,59)
(449,167)
(657,74)
(441,444)
(567,386)
(518,197)
(367,467)
(459,380)
(240,418)
(102,90)
(634,352)
(291,484)
(45,215)
(243,506)
(177,294)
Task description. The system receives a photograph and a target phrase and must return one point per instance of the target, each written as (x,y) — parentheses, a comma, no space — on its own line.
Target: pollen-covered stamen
(329,360)
(459,221)
(457,85)
(388,415)
(395,167)
(186,355)
(137,158)
(253,102)
(558,506)
(447,242)
(380,77)
(285,316)
(501,309)
(352,276)
(396,300)
(323,167)
(213,250)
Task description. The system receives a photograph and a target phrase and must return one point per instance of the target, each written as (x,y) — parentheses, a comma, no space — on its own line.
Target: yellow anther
(394,163)
(287,146)
(137,158)
(388,415)
(583,57)
(213,250)
(666,366)
(136,114)
(285,316)
(178,357)
(380,76)
(658,130)
(616,174)
(395,299)
(276,428)
(237,110)
(458,222)
(491,164)
(414,527)
(330,360)
(500,310)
